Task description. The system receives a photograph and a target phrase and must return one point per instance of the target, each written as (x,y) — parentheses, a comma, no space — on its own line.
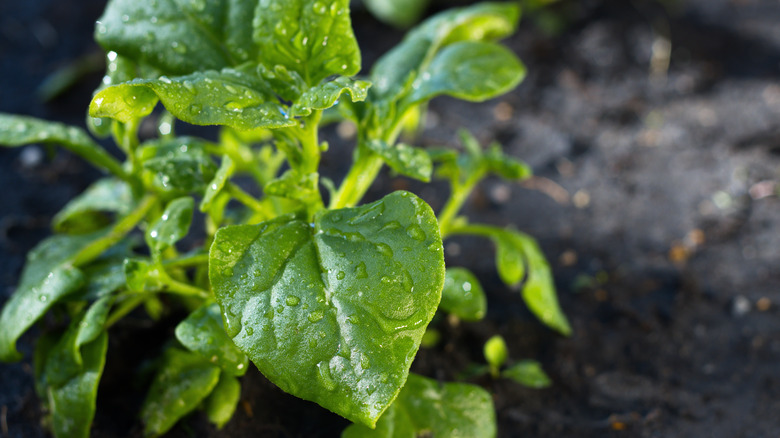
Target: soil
(654,132)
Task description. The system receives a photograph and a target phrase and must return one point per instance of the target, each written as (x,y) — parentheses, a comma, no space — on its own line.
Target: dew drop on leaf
(315,316)
(415,232)
(292,300)
(323,373)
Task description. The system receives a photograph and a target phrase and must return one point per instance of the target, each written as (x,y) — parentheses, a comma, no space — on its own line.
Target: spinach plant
(328,297)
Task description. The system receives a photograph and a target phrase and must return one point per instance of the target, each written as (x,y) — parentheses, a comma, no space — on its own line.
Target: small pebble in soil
(31,156)
(740,306)
(581,199)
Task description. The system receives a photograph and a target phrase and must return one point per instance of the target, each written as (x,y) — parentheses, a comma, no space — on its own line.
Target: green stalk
(244,197)
(117,233)
(460,193)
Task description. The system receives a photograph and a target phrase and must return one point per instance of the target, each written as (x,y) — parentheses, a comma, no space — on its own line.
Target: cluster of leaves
(329,302)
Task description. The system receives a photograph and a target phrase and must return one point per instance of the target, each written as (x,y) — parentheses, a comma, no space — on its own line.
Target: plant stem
(460,193)
(186,261)
(358,180)
(244,197)
(126,307)
(117,233)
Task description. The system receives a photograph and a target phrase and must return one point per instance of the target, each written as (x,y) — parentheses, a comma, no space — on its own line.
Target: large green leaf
(481,22)
(463,296)
(239,98)
(333,312)
(87,212)
(203,333)
(20,131)
(183,381)
(311,37)
(469,70)
(427,408)
(47,277)
(73,402)
(180,36)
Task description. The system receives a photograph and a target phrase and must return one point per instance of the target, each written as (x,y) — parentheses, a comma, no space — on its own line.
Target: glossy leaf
(333,313)
(404,159)
(47,277)
(20,131)
(88,211)
(510,257)
(223,400)
(427,408)
(311,37)
(462,295)
(238,98)
(180,165)
(326,94)
(469,70)
(182,382)
(142,275)
(73,403)
(528,373)
(180,36)
(172,226)
(215,186)
(202,332)
(481,22)
(399,13)
(293,185)
(496,352)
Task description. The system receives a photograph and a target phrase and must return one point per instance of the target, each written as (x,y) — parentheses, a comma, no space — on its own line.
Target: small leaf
(333,313)
(142,275)
(223,401)
(172,226)
(238,98)
(73,403)
(311,37)
(496,352)
(427,408)
(462,295)
(505,166)
(510,258)
(404,159)
(179,36)
(469,70)
(326,94)
(48,276)
(399,13)
(87,212)
(180,165)
(293,185)
(528,373)
(20,131)
(182,382)
(202,332)
(225,171)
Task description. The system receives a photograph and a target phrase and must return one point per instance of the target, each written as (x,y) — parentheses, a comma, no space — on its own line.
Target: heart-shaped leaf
(334,311)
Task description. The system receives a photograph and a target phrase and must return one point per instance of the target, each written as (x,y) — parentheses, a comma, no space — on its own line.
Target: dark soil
(655,201)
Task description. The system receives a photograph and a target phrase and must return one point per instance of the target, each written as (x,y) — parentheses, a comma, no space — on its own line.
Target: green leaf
(462,295)
(172,226)
(294,185)
(399,13)
(333,313)
(404,159)
(225,171)
(481,22)
(427,408)
(47,277)
(223,401)
(496,352)
(179,165)
(311,37)
(528,373)
(20,131)
(505,166)
(180,36)
(539,289)
(73,403)
(182,382)
(238,98)
(142,276)
(87,212)
(326,94)
(469,70)
(202,332)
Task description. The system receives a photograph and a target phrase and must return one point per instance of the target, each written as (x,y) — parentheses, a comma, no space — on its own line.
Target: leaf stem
(126,307)
(244,197)
(460,193)
(117,232)
(187,260)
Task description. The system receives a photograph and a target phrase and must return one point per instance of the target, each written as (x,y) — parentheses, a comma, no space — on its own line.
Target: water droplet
(281,29)
(365,362)
(292,300)
(43,298)
(153,234)
(384,249)
(316,316)
(195,108)
(323,373)
(360,270)
(153,19)
(101,28)
(178,47)
(125,18)
(415,232)
(230,88)
(165,79)
(214,358)
(340,275)
(250,331)
(319,8)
